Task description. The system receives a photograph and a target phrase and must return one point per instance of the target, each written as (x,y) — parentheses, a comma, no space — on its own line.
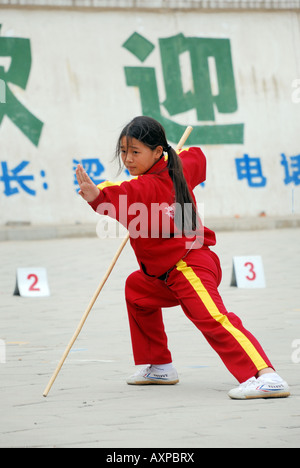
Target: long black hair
(152,134)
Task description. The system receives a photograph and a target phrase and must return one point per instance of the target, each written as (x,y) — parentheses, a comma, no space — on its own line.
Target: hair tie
(169,147)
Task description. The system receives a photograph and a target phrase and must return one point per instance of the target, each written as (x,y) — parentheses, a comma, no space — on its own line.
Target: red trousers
(192,284)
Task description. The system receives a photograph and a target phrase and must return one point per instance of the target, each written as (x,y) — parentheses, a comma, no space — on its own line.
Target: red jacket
(144,206)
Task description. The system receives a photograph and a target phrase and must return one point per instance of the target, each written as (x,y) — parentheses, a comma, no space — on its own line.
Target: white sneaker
(152,375)
(266,386)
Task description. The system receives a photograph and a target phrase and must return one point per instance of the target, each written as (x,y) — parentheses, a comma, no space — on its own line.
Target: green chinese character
(18,73)
(199,97)
(2,92)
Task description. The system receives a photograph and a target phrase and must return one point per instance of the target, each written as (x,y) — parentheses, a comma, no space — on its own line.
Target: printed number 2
(33,287)
(251,271)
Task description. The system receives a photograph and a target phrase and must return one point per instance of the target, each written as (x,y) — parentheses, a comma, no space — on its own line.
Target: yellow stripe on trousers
(205,297)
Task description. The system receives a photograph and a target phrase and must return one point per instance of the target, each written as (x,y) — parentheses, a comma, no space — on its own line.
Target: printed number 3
(251,271)
(33,287)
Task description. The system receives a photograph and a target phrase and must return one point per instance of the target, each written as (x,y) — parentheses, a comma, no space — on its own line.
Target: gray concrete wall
(74,76)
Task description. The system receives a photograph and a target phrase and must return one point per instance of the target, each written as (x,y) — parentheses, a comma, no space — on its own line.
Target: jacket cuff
(94,204)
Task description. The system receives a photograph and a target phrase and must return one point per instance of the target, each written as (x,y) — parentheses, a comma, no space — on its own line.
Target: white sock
(271,376)
(162,367)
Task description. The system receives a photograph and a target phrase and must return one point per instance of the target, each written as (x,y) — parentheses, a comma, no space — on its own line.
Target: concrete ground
(90,404)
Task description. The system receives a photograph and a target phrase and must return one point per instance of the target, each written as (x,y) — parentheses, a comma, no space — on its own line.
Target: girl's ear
(158,152)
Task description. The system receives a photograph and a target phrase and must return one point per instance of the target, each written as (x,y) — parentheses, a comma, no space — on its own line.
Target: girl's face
(137,157)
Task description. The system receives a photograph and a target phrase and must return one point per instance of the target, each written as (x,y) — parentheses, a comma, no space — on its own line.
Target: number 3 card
(248,272)
(32,282)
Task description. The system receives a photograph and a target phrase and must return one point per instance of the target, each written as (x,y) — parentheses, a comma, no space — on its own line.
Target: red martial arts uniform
(175,270)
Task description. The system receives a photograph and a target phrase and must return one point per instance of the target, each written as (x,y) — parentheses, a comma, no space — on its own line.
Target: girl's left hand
(88,190)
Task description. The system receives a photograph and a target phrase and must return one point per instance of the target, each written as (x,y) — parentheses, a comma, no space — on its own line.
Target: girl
(172,247)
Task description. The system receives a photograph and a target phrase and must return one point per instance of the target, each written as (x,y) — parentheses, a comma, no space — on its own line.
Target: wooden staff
(97,292)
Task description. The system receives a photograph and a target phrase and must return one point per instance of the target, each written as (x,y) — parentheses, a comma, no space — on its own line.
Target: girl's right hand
(88,190)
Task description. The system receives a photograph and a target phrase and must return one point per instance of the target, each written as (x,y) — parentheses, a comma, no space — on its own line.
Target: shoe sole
(154,382)
(274,395)
(255,397)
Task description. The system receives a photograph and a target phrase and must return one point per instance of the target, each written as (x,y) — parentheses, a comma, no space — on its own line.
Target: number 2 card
(32,282)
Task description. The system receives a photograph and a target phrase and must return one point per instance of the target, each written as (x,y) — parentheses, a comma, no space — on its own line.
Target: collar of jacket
(159,166)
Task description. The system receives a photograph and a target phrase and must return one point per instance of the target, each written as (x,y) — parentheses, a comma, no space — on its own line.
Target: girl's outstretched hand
(88,190)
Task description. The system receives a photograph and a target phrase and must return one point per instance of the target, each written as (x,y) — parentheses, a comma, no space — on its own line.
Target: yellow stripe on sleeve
(107,183)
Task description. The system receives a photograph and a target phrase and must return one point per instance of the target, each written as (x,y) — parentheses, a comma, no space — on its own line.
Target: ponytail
(185,218)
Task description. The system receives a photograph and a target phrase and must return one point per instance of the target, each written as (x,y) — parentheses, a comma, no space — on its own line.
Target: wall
(71,79)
